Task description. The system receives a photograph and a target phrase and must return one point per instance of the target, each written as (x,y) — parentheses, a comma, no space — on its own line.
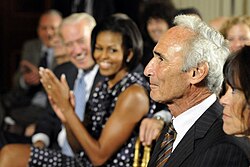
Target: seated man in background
(24,105)
(75,31)
(60,53)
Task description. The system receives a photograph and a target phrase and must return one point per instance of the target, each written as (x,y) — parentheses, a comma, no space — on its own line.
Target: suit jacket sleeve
(31,51)
(50,124)
(221,155)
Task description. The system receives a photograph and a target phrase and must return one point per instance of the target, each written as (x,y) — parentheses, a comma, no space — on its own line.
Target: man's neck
(189,100)
(88,69)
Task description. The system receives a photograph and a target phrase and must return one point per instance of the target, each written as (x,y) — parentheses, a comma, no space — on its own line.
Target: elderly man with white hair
(186,75)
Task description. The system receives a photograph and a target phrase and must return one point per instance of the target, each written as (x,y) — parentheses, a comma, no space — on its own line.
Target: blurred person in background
(157,17)
(237,31)
(24,105)
(60,53)
(218,22)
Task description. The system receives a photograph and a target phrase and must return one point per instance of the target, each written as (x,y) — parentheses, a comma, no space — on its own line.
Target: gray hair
(78,17)
(207,45)
(53,12)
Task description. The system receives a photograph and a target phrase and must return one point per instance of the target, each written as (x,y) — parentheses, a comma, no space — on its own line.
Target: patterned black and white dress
(100,107)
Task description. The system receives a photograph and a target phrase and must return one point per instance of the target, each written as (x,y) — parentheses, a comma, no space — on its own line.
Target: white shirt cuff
(22,83)
(165,115)
(41,137)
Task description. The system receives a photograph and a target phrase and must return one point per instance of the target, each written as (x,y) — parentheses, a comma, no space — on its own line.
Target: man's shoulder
(217,140)
(216,147)
(208,128)
(32,42)
(66,65)
(67,68)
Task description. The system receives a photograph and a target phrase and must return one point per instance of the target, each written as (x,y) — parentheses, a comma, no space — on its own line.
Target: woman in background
(237,31)
(157,17)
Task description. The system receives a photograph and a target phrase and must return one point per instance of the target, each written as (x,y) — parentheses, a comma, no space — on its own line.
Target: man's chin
(82,66)
(154,97)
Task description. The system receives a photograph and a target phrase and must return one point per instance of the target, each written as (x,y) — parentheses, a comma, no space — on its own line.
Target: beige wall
(210,9)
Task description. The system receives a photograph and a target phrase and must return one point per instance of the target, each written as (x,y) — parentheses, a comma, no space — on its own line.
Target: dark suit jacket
(32,51)
(50,124)
(17,103)
(204,145)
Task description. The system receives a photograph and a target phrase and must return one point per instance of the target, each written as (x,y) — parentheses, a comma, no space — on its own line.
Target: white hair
(53,12)
(78,17)
(209,46)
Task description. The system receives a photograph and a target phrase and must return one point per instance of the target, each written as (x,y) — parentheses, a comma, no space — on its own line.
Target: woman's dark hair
(131,37)
(237,73)
(156,9)
(159,9)
(187,11)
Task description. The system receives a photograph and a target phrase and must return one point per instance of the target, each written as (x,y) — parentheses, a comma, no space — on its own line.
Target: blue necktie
(80,95)
(80,101)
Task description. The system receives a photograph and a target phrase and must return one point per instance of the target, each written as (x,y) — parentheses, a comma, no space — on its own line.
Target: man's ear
(199,73)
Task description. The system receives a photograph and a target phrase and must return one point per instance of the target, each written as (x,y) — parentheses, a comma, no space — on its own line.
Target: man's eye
(69,44)
(160,58)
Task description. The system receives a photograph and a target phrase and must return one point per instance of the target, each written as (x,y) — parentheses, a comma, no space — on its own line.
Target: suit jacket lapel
(72,77)
(197,131)
(186,146)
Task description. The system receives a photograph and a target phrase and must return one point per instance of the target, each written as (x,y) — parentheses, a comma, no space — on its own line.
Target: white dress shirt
(183,122)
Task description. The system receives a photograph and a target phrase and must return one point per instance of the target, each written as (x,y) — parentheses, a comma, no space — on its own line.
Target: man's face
(47,28)
(77,39)
(167,80)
